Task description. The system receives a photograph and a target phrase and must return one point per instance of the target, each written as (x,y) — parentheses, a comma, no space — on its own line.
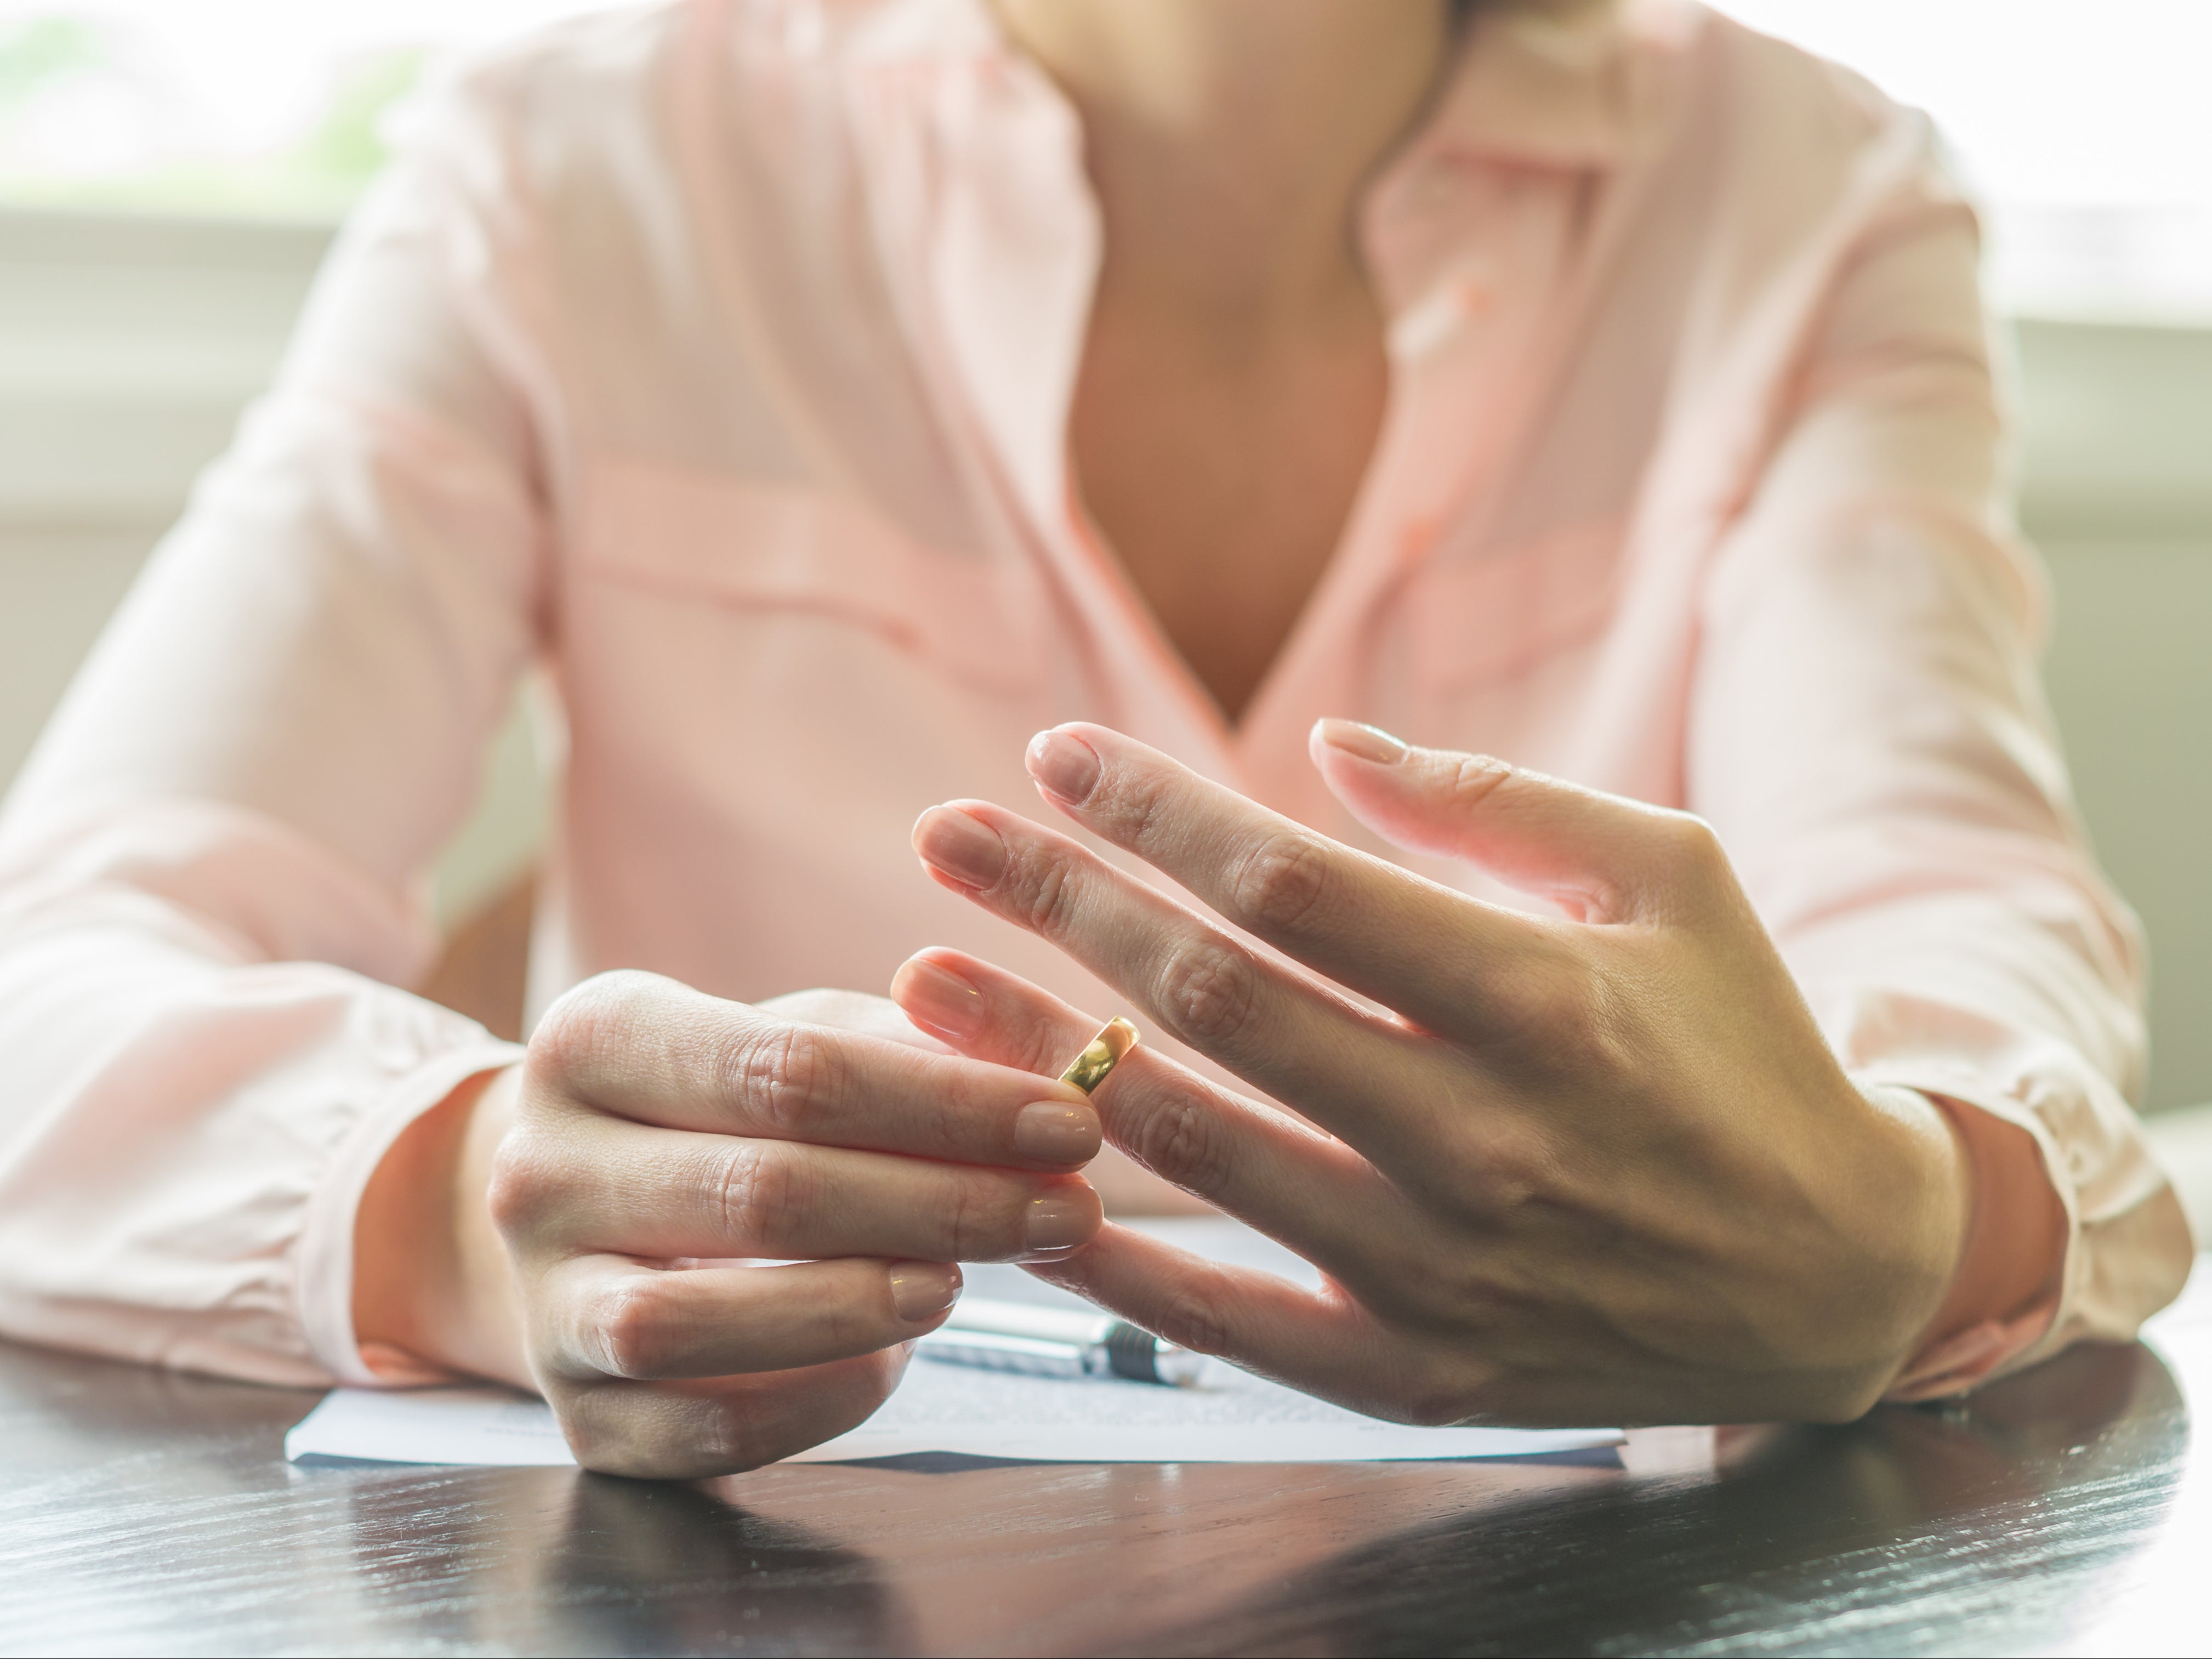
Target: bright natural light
(2085,130)
(257,106)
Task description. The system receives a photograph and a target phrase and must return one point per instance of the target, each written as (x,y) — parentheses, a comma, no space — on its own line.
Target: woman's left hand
(1598,1169)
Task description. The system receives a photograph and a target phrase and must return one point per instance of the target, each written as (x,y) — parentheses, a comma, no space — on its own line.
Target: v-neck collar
(1009,256)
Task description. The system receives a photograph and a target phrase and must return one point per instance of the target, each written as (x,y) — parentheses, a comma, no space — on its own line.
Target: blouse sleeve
(213,870)
(1868,735)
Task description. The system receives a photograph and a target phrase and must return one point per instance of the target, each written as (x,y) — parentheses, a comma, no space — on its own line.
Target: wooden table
(2063,1510)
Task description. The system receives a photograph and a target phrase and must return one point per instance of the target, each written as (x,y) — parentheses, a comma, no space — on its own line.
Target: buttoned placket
(1009,248)
(1008,253)
(1464,276)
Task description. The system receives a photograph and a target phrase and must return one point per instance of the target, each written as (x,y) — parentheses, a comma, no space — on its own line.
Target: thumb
(1599,857)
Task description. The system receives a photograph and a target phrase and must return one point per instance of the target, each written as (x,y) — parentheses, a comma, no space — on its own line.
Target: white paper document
(430,1425)
(1229,1417)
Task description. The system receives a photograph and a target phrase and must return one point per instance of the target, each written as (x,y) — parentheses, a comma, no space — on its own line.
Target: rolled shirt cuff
(2002,1338)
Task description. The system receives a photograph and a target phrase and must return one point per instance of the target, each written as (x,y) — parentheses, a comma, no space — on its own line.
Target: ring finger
(1360,1075)
(1311,1191)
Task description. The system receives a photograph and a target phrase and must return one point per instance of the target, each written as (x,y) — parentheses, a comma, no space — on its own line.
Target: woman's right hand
(654,1133)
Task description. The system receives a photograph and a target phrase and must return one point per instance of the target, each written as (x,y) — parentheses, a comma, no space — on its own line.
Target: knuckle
(1693,847)
(585,1032)
(595,1441)
(757,1195)
(1048,889)
(979,1229)
(1182,1142)
(633,1328)
(727,1440)
(1208,992)
(588,1443)
(1693,837)
(1136,806)
(522,1178)
(778,1073)
(1195,1320)
(1282,883)
(1471,779)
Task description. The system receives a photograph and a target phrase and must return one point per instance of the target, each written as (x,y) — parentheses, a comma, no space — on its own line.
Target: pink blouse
(716,354)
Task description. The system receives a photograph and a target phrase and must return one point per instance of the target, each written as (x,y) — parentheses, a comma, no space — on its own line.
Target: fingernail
(962,845)
(1055,1132)
(1059,1224)
(1368,742)
(923,1290)
(1066,766)
(938,997)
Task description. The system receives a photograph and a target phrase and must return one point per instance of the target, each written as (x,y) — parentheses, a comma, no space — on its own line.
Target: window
(2083,128)
(252,107)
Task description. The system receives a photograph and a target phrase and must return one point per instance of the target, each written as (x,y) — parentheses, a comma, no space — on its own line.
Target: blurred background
(170,172)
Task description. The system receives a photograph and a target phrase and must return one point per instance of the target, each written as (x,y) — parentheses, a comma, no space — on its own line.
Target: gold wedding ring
(1091,1067)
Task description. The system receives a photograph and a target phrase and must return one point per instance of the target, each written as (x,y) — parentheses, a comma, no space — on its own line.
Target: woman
(1600,389)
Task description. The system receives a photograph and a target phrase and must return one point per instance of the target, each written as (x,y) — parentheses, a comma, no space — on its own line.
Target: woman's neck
(1228,139)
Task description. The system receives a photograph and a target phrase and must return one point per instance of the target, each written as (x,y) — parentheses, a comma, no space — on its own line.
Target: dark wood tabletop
(2061,1511)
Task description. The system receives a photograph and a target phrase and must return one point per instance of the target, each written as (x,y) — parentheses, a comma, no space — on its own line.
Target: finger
(690,1430)
(607,1315)
(1599,857)
(1448,962)
(1364,1076)
(603,1184)
(1314,1193)
(1319,1341)
(856,1011)
(661,1053)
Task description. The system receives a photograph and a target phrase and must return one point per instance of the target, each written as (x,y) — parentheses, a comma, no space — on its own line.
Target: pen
(1015,1336)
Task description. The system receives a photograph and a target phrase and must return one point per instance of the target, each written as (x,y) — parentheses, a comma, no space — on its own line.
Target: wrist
(2010,1259)
(1904,1197)
(431,1276)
